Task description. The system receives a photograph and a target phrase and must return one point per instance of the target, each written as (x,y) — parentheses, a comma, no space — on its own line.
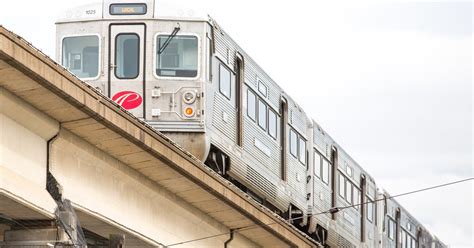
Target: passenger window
(348,191)
(356,197)
(370,210)
(391,229)
(317,164)
(80,55)
(262,114)
(179,58)
(272,124)
(302,150)
(224,81)
(325,171)
(251,105)
(262,88)
(404,239)
(127,56)
(342,186)
(293,143)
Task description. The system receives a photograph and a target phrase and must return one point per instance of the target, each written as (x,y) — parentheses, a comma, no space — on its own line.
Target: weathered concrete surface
(119,173)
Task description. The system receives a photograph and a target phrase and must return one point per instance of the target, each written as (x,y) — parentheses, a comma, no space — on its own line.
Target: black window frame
(323,177)
(341,187)
(250,92)
(391,229)
(221,65)
(275,124)
(138,58)
(371,206)
(291,143)
(260,82)
(320,166)
(263,103)
(300,138)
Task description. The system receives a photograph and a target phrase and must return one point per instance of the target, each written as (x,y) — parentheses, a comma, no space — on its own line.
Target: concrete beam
(46,86)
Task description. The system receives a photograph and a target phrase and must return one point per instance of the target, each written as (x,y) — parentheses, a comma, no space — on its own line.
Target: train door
(126,66)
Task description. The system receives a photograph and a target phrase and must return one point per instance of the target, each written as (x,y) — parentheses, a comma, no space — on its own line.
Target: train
(180,72)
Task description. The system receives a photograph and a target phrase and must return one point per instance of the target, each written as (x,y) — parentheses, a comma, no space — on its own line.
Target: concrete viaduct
(124,180)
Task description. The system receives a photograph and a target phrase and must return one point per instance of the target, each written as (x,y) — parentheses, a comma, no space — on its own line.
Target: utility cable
(331,210)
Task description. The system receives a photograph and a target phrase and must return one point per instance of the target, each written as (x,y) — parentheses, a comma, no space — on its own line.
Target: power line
(332,210)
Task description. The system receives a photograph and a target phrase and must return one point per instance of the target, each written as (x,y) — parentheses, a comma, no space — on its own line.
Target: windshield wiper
(167,41)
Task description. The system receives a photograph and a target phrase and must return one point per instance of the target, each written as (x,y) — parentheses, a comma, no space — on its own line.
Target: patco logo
(128,99)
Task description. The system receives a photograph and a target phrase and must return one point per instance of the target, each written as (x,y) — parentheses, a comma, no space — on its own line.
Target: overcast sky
(390,82)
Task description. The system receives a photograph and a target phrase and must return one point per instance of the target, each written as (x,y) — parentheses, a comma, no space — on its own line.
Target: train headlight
(189,111)
(189,97)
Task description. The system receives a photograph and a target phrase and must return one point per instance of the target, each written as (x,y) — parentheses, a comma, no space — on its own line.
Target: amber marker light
(189,111)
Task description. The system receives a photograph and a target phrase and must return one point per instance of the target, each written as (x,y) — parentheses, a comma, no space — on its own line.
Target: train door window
(262,114)
(224,81)
(325,171)
(342,186)
(317,164)
(348,191)
(80,55)
(302,150)
(177,56)
(293,143)
(272,124)
(251,105)
(127,56)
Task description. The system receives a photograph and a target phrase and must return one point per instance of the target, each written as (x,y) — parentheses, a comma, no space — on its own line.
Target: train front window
(80,55)
(178,58)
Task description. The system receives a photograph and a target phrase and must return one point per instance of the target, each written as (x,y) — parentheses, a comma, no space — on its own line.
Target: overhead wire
(329,211)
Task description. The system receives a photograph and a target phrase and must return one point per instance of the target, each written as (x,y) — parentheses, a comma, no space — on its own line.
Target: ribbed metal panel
(271,161)
(224,117)
(322,141)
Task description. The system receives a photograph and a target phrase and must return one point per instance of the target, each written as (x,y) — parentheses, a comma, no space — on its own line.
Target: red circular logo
(128,99)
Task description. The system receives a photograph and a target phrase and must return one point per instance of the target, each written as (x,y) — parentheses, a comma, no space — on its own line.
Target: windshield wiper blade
(167,41)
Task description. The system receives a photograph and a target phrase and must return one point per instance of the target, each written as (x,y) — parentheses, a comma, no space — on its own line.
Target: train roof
(133,9)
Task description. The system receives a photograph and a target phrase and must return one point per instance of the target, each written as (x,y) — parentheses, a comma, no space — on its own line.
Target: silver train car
(186,77)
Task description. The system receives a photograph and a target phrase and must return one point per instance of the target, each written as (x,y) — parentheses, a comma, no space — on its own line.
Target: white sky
(391,82)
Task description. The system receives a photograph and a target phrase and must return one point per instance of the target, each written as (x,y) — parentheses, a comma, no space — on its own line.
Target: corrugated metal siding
(223,110)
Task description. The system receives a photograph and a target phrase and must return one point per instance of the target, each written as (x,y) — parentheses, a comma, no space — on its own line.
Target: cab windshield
(80,55)
(179,58)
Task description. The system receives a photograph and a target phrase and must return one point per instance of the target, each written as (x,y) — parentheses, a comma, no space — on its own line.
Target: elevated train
(187,78)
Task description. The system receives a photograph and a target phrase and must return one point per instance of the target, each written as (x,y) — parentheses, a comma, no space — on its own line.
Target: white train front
(187,78)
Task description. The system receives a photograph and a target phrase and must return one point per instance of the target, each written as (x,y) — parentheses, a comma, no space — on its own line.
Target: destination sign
(128,9)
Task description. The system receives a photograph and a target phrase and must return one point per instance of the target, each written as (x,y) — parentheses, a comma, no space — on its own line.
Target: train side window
(342,186)
(293,143)
(302,150)
(262,114)
(391,229)
(179,58)
(251,105)
(325,171)
(317,164)
(224,81)
(272,124)
(262,88)
(127,55)
(370,210)
(404,239)
(348,191)
(356,197)
(80,55)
